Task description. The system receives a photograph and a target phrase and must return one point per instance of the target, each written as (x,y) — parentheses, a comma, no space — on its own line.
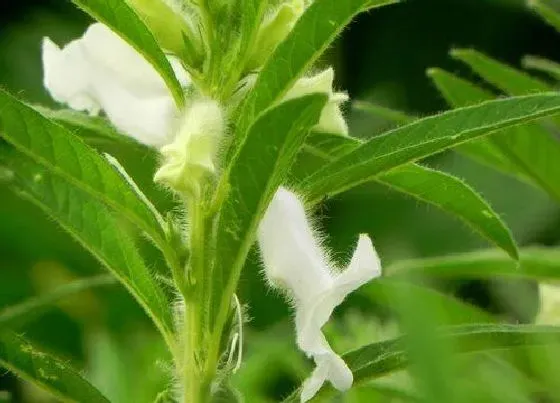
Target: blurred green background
(382,57)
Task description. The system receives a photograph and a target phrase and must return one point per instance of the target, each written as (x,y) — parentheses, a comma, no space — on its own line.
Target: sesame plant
(249,133)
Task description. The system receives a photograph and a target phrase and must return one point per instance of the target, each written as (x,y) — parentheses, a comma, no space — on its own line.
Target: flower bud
(189,159)
(171,28)
(331,120)
(274,30)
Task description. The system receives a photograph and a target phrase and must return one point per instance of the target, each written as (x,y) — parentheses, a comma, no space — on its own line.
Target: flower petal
(110,55)
(294,260)
(364,266)
(329,367)
(65,76)
(150,120)
(190,156)
(101,71)
(331,120)
(292,256)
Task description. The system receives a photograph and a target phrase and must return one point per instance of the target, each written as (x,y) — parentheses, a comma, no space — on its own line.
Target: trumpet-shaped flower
(100,71)
(295,262)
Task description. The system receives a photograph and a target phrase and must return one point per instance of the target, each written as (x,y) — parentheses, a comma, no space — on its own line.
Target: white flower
(295,261)
(331,120)
(100,71)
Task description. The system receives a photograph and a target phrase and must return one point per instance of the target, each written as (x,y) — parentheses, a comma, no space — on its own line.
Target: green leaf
(386,292)
(97,230)
(547,12)
(17,315)
(92,129)
(502,76)
(535,263)
(66,155)
(383,112)
(51,374)
(170,29)
(123,20)
(319,150)
(440,189)
(314,31)
(386,392)
(251,19)
(482,150)
(453,195)
(543,65)
(425,137)
(530,151)
(379,359)
(383,358)
(253,177)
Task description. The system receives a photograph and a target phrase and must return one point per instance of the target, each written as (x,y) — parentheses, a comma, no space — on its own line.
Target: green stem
(196,387)
(192,390)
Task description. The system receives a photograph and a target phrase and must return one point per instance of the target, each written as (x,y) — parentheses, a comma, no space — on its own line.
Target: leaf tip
(513,252)
(461,53)
(433,71)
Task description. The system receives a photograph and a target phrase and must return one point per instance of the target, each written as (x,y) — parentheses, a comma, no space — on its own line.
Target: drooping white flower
(331,120)
(294,261)
(100,71)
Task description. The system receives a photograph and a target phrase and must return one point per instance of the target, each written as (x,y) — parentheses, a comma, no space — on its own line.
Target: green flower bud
(332,120)
(171,28)
(274,30)
(189,159)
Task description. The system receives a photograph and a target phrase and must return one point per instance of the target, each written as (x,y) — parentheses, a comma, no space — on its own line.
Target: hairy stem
(196,386)
(193,390)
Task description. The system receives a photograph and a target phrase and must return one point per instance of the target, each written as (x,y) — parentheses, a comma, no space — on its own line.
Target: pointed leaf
(481,150)
(386,292)
(383,112)
(379,359)
(444,191)
(453,195)
(51,374)
(543,65)
(92,129)
(254,176)
(423,138)
(383,358)
(530,151)
(548,13)
(123,20)
(94,226)
(66,155)
(17,315)
(502,76)
(536,263)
